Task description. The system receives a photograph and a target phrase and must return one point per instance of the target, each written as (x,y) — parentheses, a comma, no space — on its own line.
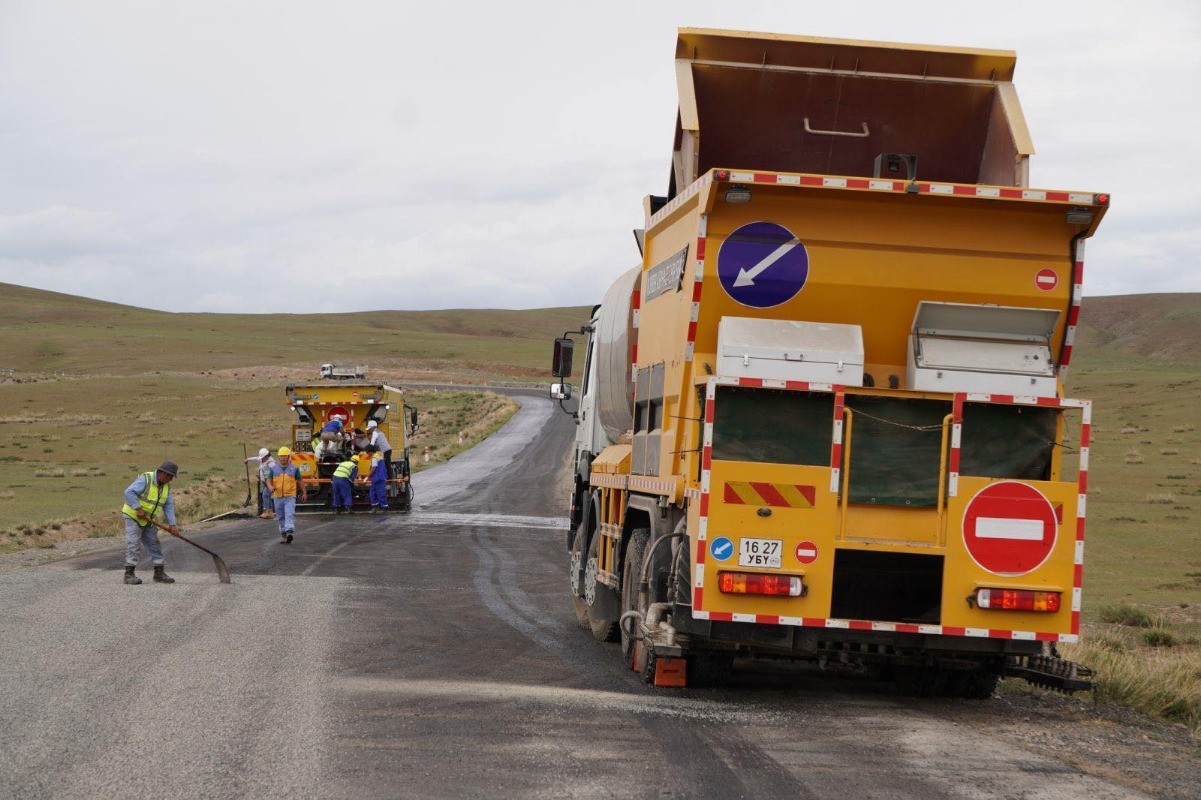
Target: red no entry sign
(337,411)
(1009,528)
(806,552)
(1046,279)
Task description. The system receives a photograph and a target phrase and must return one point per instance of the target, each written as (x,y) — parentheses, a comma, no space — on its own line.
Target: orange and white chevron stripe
(777,495)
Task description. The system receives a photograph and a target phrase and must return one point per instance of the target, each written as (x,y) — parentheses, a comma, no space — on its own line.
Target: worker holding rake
(149,494)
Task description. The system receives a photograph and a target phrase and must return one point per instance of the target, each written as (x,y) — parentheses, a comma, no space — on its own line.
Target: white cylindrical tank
(614,338)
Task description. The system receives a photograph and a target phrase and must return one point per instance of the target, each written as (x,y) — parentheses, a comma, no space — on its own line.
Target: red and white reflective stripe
(609,481)
(956,440)
(635,306)
(698,284)
(702,527)
(692,494)
(1069,336)
(836,443)
(885,185)
(1086,436)
(884,627)
(1025,400)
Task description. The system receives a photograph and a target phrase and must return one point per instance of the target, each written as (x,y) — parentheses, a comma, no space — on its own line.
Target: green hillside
(51,332)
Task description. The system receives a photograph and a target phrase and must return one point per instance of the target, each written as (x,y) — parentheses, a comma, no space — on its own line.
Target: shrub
(1159,637)
(1161,499)
(1169,451)
(1126,614)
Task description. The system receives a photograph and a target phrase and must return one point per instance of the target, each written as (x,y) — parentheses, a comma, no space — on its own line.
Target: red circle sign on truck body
(806,552)
(1046,279)
(337,411)
(1009,528)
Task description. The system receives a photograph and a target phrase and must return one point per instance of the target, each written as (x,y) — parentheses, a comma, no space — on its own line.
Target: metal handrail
(848,417)
(947,421)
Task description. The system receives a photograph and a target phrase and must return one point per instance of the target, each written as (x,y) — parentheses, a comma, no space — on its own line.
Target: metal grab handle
(863,135)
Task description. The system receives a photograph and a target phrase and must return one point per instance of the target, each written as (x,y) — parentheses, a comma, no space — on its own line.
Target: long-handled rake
(218,562)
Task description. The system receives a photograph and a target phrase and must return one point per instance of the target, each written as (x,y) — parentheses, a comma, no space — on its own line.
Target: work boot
(131,578)
(161,576)
(289,537)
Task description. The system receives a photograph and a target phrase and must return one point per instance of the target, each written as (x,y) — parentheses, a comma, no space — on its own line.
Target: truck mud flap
(608,602)
(1052,672)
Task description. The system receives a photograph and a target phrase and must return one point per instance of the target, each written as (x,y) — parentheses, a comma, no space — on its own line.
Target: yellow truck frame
(359,402)
(983,576)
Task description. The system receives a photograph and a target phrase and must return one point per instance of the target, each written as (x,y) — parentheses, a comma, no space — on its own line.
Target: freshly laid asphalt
(433,654)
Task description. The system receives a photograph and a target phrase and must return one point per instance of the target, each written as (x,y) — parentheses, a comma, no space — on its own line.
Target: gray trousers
(135,536)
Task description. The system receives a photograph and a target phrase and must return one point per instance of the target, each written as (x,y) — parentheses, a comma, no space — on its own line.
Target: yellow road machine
(355,403)
(825,417)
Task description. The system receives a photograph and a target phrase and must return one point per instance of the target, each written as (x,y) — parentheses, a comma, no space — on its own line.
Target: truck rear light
(757,583)
(721,174)
(1017,600)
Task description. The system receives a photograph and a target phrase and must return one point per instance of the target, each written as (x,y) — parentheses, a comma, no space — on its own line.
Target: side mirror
(413,419)
(561,363)
(560,391)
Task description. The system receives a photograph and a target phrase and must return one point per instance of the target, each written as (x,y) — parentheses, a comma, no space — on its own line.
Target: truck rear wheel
(631,576)
(577,603)
(603,630)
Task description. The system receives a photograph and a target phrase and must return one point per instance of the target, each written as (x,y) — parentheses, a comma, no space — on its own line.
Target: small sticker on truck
(760,552)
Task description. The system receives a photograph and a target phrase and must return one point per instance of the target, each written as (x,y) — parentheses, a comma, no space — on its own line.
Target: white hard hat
(264,452)
(372,424)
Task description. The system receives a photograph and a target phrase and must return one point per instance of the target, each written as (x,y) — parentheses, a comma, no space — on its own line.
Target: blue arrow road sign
(721,548)
(762,264)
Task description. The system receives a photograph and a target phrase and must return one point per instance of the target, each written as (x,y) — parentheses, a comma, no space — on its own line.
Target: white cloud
(291,156)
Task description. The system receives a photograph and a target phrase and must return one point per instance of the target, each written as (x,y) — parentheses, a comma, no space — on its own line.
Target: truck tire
(577,603)
(975,685)
(603,630)
(631,576)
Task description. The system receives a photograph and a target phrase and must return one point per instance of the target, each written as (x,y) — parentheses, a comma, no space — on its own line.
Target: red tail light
(1017,600)
(721,174)
(756,583)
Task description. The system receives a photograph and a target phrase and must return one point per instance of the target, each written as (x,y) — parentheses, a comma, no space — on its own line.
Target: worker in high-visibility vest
(343,492)
(149,494)
(285,482)
(379,481)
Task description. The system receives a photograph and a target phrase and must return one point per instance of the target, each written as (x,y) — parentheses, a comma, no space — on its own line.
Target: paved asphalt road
(431,655)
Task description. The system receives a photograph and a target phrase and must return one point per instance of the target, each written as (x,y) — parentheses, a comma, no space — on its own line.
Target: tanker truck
(825,417)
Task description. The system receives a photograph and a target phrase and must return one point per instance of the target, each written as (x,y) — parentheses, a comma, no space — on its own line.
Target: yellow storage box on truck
(825,418)
(355,404)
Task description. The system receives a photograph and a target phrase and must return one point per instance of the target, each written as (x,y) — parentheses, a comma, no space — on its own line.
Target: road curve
(432,655)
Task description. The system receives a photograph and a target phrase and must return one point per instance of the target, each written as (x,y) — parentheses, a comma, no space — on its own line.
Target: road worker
(379,481)
(264,460)
(343,491)
(149,494)
(285,482)
(332,437)
(380,442)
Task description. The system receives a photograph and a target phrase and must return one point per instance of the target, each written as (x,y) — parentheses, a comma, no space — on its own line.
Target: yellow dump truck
(355,404)
(825,417)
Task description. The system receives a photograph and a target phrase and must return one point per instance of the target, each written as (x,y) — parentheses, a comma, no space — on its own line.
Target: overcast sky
(304,156)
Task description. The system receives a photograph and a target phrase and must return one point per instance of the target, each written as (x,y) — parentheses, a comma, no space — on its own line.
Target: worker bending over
(285,481)
(343,492)
(149,494)
(265,461)
(379,481)
(331,437)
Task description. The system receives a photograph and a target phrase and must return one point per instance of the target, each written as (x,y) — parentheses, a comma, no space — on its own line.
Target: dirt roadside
(1104,740)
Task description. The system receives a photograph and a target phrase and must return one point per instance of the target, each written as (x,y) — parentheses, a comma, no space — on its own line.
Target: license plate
(760,552)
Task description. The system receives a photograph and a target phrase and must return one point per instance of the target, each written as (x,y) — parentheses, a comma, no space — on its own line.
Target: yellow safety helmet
(283,451)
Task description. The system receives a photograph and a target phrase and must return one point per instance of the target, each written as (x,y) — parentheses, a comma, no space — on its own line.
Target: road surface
(435,655)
